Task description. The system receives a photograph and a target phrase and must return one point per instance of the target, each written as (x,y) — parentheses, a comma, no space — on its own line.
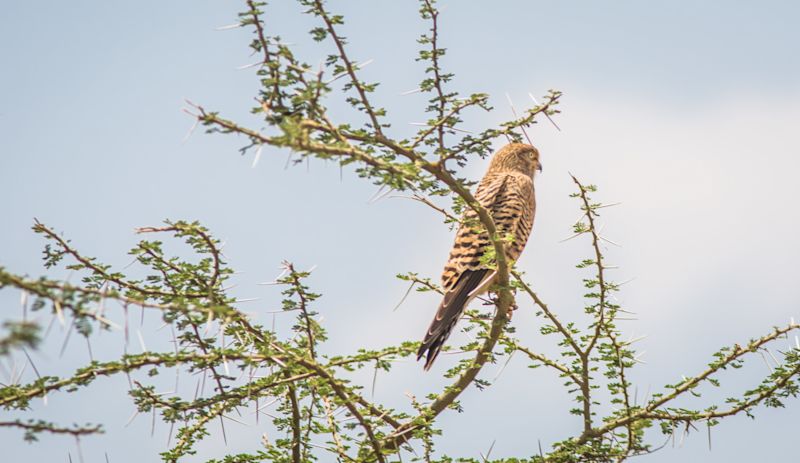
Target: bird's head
(517,157)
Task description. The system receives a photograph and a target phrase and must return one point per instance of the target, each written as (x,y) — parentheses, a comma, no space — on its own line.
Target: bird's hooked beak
(539,167)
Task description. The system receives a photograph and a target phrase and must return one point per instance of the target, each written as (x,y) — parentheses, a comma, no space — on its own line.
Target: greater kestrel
(507,193)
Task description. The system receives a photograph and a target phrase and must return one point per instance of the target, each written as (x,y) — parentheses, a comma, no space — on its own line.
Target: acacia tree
(319,412)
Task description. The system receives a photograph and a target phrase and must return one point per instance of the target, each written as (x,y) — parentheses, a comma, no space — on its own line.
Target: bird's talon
(511,310)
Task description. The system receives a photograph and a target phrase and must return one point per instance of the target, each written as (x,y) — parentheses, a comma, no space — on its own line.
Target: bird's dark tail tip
(447,316)
(430,349)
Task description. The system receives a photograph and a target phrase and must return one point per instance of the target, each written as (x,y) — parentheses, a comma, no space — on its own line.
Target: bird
(506,192)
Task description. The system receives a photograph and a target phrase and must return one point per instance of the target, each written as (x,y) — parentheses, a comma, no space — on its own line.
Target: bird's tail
(450,310)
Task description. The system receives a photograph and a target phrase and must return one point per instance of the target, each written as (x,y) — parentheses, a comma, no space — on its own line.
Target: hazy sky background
(685,112)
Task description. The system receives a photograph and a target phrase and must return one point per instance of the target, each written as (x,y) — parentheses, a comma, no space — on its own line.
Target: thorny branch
(435,53)
(34,427)
(330,21)
(604,319)
(602,325)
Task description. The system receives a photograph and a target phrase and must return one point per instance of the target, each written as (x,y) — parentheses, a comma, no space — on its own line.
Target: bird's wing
(471,237)
(509,199)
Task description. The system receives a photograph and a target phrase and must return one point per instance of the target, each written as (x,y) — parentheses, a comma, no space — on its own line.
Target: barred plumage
(506,191)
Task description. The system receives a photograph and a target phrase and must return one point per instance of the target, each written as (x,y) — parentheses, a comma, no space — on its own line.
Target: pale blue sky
(686,112)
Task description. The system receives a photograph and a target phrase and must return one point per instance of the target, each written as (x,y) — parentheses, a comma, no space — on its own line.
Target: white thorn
(234,419)
(636,339)
(141,340)
(257,156)
(364,64)
(572,237)
(545,114)
(59,312)
(228,27)
(247,66)
(130,420)
(268,403)
(209,319)
(185,138)
(609,241)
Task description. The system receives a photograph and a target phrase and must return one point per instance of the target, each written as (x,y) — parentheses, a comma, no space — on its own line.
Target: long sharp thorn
(89,346)
(777,363)
(141,340)
(545,113)
(189,134)
(500,372)
(133,417)
(127,330)
(376,195)
(224,435)
(235,420)
(228,27)
(78,446)
(49,327)
(257,156)
(59,312)
(23,300)
(514,112)
(403,299)
(66,339)
(374,381)
(491,447)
